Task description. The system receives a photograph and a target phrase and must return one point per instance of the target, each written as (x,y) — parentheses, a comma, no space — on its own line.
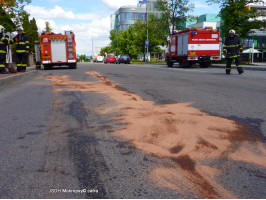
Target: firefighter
(22,50)
(3,50)
(232,50)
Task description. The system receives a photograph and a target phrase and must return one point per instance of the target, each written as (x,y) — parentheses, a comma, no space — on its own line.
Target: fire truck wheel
(47,67)
(184,63)
(169,62)
(205,64)
(73,66)
(180,63)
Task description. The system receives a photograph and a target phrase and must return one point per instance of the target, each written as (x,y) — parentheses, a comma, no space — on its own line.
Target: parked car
(99,59)
(109,58)
(124,58)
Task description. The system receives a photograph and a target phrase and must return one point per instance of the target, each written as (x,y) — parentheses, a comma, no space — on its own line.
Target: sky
(89,19)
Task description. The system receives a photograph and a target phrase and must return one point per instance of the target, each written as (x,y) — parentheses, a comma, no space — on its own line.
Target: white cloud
(115,4)
(86,16)
(95,28)
(199,4)
(98,30)
(92,26)
(57,13)
(54,13)
(41,24)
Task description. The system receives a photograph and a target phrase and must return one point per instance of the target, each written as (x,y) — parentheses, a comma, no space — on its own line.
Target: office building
(127,15)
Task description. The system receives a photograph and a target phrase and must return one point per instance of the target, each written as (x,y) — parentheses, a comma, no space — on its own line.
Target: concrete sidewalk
(8,78)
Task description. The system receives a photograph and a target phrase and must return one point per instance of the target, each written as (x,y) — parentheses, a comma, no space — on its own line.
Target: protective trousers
(21,61)
(2,62)
(238,65)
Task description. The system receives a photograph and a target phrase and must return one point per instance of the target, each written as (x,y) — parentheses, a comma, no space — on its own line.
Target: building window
(124,27)
(132,16)
(258,42)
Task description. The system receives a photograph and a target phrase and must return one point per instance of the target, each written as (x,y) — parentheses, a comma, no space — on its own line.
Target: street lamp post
(146,45)
(117,50)
(92,47)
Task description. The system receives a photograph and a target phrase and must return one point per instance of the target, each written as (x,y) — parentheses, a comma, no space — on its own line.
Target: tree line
(235,14)
(240,16)
(132,40)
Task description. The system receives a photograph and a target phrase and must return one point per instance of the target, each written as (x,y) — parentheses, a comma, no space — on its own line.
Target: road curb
(219,66)
(9,79)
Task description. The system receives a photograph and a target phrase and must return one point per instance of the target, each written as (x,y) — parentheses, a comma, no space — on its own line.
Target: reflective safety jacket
(22,43)
(232,47)
(3,43)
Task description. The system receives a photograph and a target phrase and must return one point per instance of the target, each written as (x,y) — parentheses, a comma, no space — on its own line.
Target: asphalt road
(64,134)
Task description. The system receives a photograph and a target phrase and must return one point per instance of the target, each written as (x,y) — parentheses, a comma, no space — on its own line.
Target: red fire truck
(57,50)
(193,46)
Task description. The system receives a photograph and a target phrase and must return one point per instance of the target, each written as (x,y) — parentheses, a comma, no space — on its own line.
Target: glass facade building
(209,18)
(127,15)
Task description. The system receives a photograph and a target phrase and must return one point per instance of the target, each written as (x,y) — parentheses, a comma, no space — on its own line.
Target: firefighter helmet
(232,31)
(2,29)
(20,29)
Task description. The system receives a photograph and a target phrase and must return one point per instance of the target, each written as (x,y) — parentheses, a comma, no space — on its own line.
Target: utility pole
(117,50)
(146,43)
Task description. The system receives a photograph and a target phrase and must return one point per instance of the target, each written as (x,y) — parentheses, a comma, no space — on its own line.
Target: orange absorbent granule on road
(187,138)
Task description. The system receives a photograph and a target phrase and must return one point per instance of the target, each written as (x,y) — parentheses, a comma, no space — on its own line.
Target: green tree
(174,13)
(48,28)
(107,49)
(11,14)
(139,35)
(157,33)
(127,42)
(114,45)
(30,29)
(6,21)
(83,58)
(132,40)
(34,30)
(237,15)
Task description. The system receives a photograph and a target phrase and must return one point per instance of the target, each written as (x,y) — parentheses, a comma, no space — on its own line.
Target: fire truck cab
(57,50)
(193,46)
